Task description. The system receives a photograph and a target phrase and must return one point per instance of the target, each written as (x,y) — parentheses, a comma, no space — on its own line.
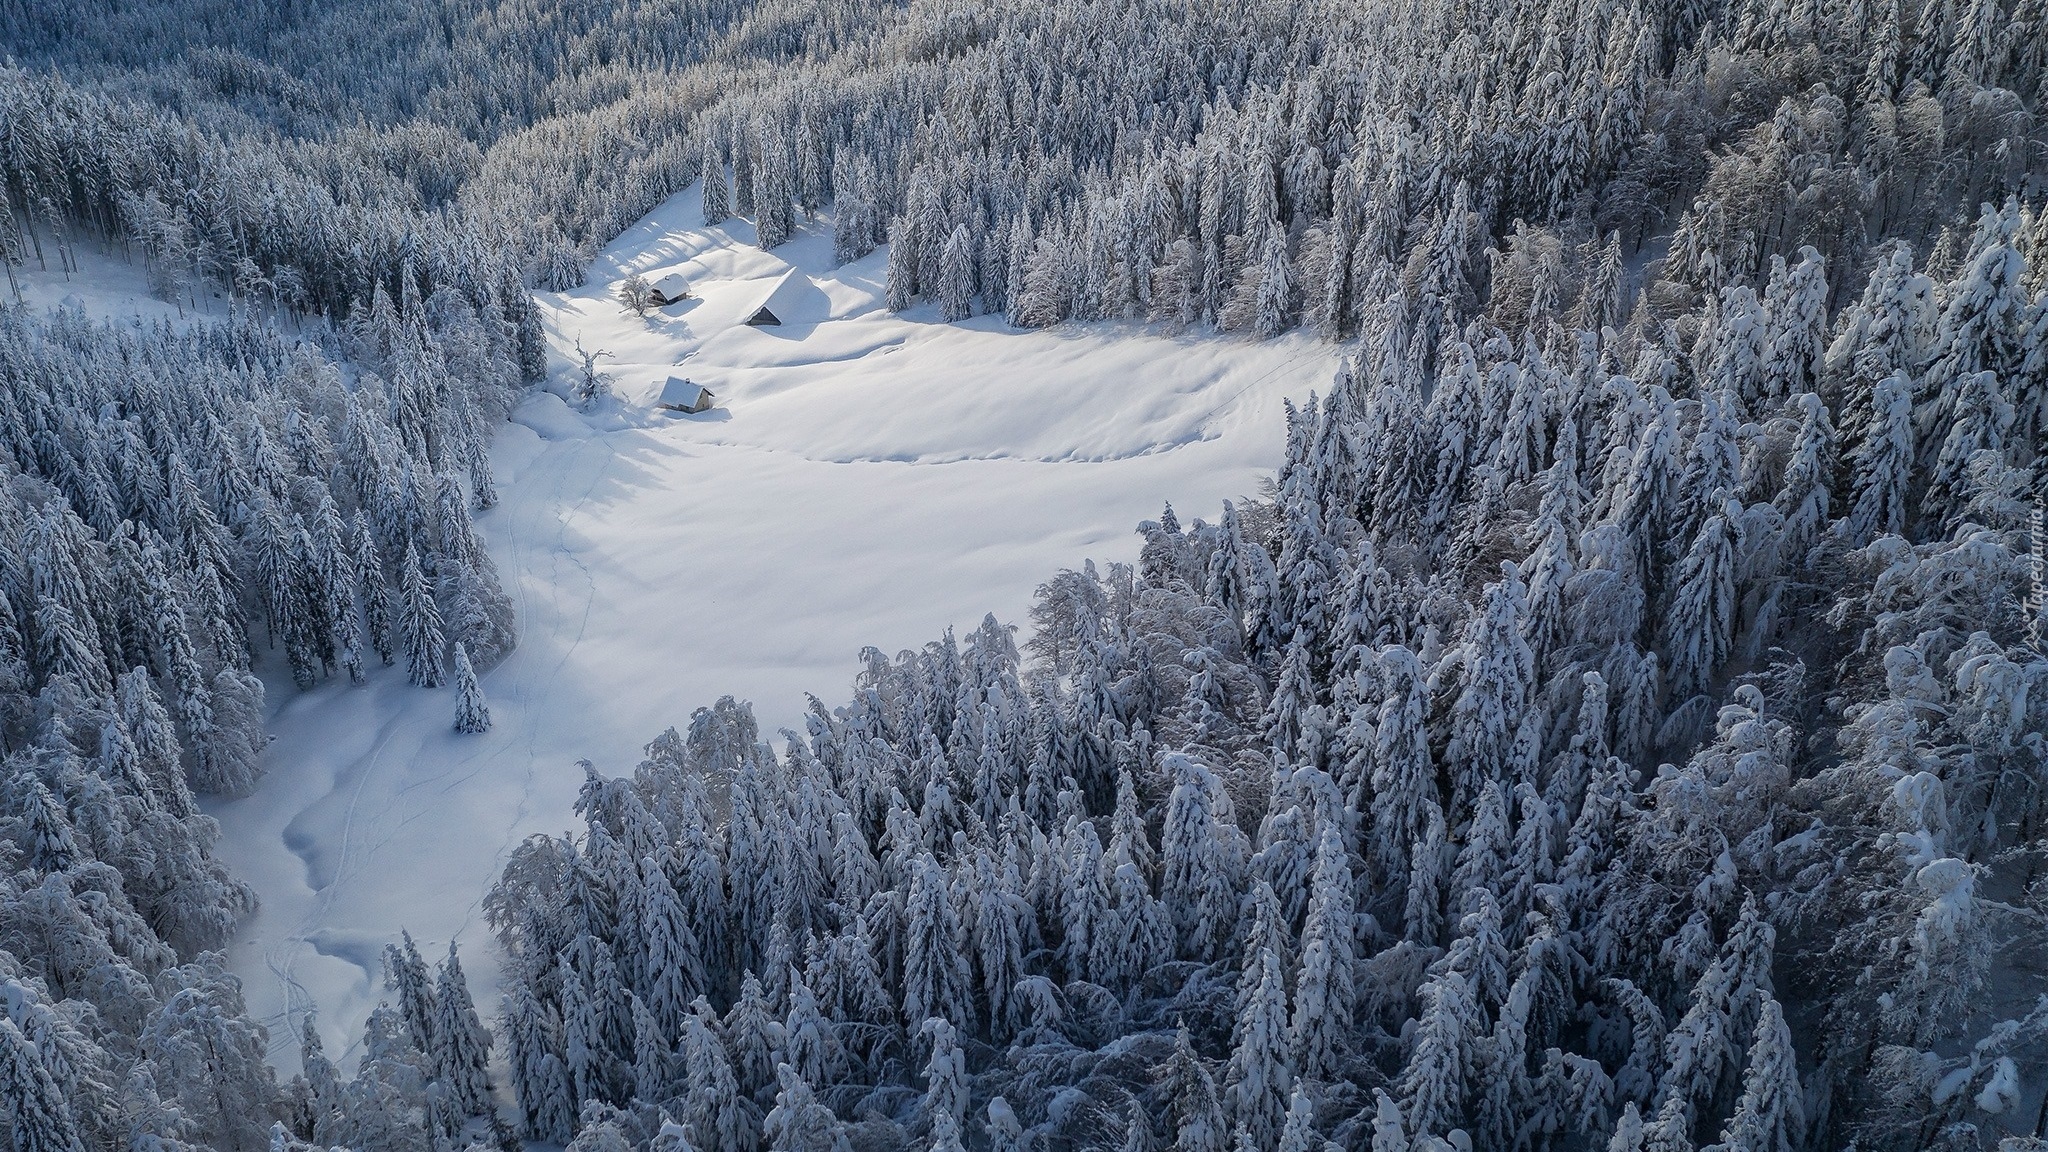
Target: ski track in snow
(866,478)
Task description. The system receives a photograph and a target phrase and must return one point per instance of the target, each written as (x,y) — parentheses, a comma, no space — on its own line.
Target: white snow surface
(866,478)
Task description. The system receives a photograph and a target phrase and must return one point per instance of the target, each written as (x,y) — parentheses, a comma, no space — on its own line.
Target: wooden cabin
(669,289)
(680,395)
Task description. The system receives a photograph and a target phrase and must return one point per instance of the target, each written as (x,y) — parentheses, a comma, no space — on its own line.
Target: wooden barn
(669,289)
(791,299)
(680,395)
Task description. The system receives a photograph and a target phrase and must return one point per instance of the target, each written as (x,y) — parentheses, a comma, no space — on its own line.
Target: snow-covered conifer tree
(798,1123)
(407,975)
(1259,1079)
(1700,629)
(717,190)
(945,1074)
(1498,674)
(809,1039)
(372,589)
(539,1078)
(901,285)
(754,1036)
(956,275)
(462,1048)
(714,1108)
(1770,1116)
(419,625)
(1325,986)
(1433,1083)
(935,975)
(1883,461)
(1199,1125)
(1202,856)
(38,1116)
(472,714)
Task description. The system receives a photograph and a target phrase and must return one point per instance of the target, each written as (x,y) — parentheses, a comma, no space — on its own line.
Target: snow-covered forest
(1620,724)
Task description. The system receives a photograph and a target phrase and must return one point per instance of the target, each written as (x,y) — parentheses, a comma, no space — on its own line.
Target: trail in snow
(866,479)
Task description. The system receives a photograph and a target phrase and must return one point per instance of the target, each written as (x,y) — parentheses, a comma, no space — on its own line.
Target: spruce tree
(717,193)
(1433,1085)
(419,624)
(1326,985)
(956,276)
(1260,1078)
(462,1048)
(472,714)
(36,1111)
(717,1114)
(1770,1116)
(372,589)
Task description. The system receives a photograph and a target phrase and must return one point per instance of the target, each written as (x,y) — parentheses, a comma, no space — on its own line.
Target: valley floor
(866,478)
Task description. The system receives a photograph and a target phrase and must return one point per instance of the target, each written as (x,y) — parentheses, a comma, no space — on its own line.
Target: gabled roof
(672,286)
(681,393)
(792,299)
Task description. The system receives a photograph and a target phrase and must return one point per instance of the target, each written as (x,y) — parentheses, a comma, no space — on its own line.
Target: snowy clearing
(865,478)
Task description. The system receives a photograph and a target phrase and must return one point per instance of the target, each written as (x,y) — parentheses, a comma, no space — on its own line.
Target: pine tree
(1499,673)
(1202,857)
(901,285)
(1628,1130)
(1883,461)
(1770,1116)
(1700,629)
(50,845)
(653,1062)
(945,1072)
(754,1036)
(798,1123)
(1084,903)
(956,276)
(462,1048)
(713,1105)
(472,715)
(1388,1133)
(539,1078)
(1273,309)
(1300,1133)
(1197,1106)
(674,972)
(318,1089)
(1006,1133)
(37,1114)
(671,1137)
(1433,1084)
(717,194)
(1325,988)
(406,974)
(1696,1049)
(1422,908)
(1256,1088)
(935,976)
(946,1135)
(374,592)
(419,625)
(1482,859)
(811,1041)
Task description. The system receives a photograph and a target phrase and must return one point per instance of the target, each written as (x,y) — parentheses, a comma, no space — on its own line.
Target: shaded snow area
(107,287)
(865,478)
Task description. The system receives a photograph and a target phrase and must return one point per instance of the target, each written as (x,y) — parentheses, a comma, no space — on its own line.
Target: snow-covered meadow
(866,478)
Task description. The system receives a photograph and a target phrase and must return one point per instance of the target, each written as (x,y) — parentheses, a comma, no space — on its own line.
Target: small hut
(788,301)
(680,395)
(669,289)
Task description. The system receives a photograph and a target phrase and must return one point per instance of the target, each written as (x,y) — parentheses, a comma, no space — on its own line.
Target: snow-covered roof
(792,299)
(672,286)
(680,392)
